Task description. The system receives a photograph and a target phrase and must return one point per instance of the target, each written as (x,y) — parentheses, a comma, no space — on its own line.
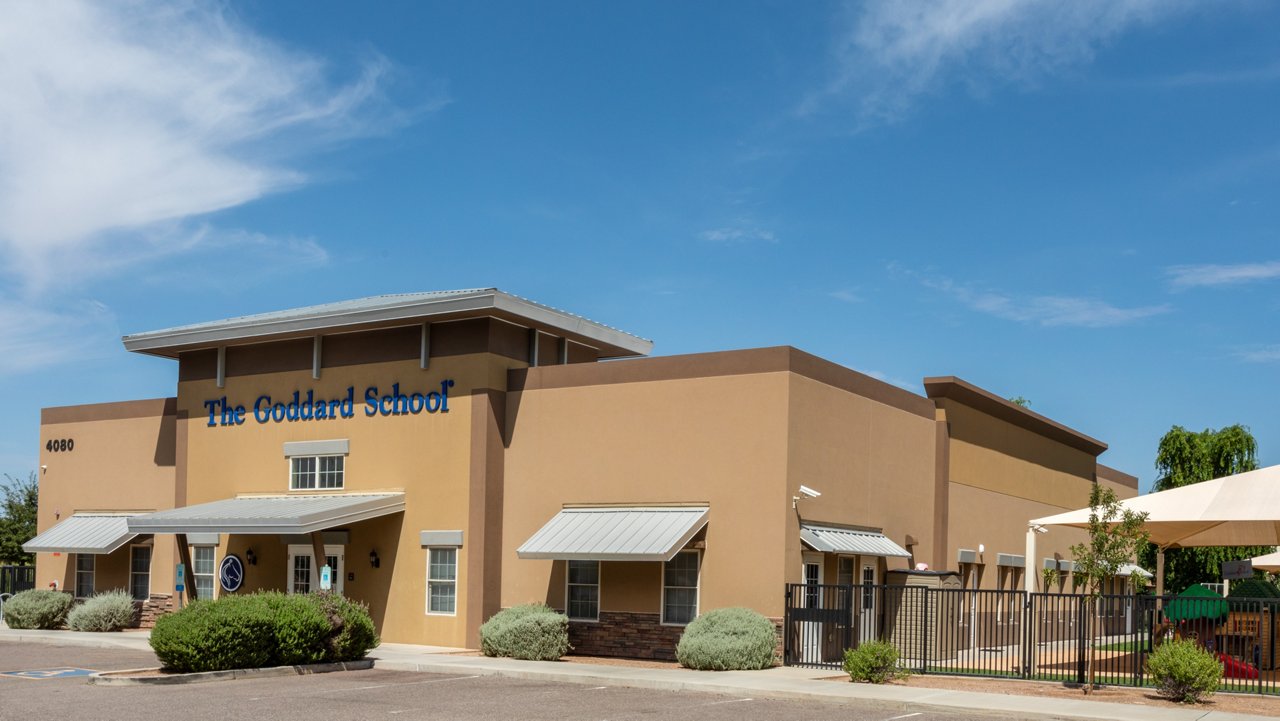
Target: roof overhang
(833,539)
(966,393)
(96,533)
(386,312)
(270,514)
(616,533)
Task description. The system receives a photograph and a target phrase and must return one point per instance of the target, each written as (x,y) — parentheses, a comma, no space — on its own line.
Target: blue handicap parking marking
(51,673)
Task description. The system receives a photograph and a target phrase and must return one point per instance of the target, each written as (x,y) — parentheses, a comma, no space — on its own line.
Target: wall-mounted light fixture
(373,558)
(250,557)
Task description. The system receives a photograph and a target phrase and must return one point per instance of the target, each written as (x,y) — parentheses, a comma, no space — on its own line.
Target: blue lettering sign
(306,407)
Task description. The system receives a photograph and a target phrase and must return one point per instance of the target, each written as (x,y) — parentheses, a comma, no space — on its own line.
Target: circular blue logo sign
(231,573)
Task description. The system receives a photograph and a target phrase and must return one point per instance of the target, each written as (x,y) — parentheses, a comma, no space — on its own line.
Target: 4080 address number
(60,445)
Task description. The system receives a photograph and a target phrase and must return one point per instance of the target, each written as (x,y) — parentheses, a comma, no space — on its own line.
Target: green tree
(17,518)
(1185,457)
(1020,401)
(1115,533)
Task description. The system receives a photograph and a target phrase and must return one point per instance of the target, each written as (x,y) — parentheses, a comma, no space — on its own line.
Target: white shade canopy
(1239,510)
(1269,562)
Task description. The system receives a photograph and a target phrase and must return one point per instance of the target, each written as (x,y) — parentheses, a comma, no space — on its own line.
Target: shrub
(350,632)
(37,608)
(107,611)
(873,662)
(1183,671)
(298,626)
(728,639)
(533,632)
(232,632)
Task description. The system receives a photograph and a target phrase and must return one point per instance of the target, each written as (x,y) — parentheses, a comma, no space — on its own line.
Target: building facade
(451,454)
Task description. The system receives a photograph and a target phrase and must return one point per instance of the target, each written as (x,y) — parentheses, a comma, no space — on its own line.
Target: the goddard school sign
(308,408)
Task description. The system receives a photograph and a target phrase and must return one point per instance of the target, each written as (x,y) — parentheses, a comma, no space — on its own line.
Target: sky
(1073,202)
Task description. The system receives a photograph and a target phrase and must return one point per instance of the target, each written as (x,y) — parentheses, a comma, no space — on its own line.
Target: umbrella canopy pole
(1159,571)
(1029,575)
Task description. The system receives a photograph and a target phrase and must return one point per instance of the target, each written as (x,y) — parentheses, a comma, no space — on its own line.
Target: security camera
(809,492)
(44,468)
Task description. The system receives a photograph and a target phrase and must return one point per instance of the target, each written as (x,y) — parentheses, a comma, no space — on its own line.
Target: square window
(309,473)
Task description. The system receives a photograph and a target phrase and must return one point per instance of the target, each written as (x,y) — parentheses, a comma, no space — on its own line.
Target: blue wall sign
(307,407)
(231,573)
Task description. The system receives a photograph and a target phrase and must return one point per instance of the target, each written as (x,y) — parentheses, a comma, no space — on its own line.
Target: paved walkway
(779,683)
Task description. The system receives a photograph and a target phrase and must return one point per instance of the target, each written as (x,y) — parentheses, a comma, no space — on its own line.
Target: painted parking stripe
(50,673)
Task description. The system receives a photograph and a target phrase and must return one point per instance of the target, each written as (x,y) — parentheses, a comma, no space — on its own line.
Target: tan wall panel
(873,464)
(718,440)
(631,587)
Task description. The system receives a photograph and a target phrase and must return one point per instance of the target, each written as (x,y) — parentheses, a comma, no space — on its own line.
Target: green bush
(728,639)
(107,611)
(232,632)
(263,629)
(350,634)
(533,632)
(1183,671)
(37,608)
(873,662)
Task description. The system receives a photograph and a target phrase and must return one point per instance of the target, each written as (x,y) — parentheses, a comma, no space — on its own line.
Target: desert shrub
(873,662)
(107,611)
(728,639)
(298,626)
(533,632)
(232,632)
(37,608)
(1183,671)
(350,632)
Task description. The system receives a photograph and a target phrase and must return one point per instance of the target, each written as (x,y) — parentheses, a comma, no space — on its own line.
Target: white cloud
(846,295)
(121,119)
(1044,310)
(742,233)
(1193,276)
(36,336)
(888,53)
(1262,354)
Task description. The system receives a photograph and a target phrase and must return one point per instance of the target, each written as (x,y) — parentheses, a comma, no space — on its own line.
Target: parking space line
(905,715)
(388,685)
(732,700)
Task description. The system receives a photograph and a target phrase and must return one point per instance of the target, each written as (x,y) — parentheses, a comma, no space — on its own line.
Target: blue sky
(1072,202)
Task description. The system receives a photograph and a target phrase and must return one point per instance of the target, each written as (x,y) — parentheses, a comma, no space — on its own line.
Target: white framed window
(202,571)
(140,572)
(442,581)
(680,588)
(304,573)
(582,591)
(84,574)
(312,473)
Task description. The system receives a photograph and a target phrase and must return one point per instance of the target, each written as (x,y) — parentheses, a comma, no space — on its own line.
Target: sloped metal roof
(383,310)
(84,533)
(616,533)
(270,514)
(831,539)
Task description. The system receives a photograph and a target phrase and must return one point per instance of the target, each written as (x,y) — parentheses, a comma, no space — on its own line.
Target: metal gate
(14,579)
(818,624)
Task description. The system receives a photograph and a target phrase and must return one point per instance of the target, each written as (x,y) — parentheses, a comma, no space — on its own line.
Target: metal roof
(84,533)
(270,514)
(616,533)
(831,539)
(1130,569)
(382,310)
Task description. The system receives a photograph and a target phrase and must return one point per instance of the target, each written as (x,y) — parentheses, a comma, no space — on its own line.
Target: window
(680,588)
(442,580)
(84,574)
(309,473)
(583,592)
(202,571)
(140,573)
(844,571)
(301,575)
(868,587)
(304,576)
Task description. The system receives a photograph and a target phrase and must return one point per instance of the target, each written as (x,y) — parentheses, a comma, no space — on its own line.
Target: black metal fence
(1047,636)
(17,578)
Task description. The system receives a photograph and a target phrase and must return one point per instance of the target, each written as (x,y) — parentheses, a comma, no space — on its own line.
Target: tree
(17,518)
(1020,401)
(1115,533)
(1185,457)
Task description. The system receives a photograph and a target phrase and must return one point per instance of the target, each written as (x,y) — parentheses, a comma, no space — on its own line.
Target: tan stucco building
(460,452)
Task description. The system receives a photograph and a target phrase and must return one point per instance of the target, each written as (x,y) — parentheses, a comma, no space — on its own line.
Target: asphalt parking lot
(373,694)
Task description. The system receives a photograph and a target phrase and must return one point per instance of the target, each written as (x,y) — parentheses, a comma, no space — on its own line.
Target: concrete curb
(889,698)
(107,639)
(118,678)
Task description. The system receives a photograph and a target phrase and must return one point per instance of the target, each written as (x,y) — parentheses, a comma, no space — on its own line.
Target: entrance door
(811,631)
(868,629)
(304,575)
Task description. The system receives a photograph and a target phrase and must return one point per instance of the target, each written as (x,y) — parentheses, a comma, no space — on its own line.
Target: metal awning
(270,514)
(616,533)
(84,533)
(831,539)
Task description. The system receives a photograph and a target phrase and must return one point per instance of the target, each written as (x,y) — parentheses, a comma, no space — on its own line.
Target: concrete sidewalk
(776,683)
